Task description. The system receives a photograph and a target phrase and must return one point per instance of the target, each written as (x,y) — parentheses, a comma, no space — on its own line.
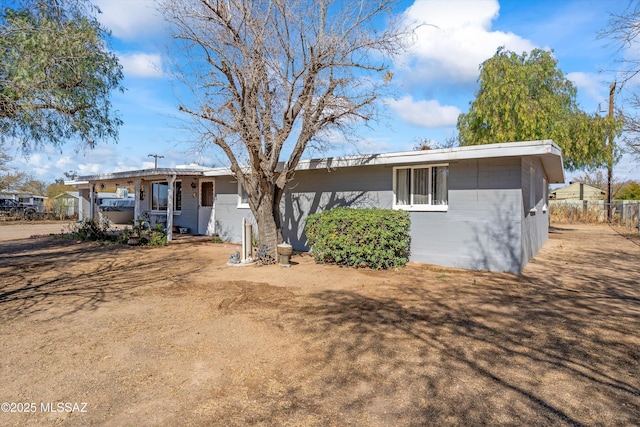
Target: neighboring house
(578,191)
(66,205)
(479,207)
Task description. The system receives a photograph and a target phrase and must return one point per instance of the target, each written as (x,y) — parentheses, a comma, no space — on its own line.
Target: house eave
(548,152)
(141,173)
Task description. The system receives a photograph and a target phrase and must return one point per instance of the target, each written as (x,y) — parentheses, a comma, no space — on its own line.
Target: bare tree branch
(269,77)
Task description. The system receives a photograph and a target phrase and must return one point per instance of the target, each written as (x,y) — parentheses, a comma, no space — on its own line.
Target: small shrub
(157,237)
(373,238)
(123,238)
(101,231)
(91,230)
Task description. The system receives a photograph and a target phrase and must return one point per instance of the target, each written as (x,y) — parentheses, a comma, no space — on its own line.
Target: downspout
(172,180)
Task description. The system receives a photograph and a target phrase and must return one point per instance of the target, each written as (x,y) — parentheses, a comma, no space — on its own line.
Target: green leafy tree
(630,191)
(57,188)
(56,75)
(526,97)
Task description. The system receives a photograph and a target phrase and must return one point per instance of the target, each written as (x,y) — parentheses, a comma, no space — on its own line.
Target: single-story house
(479,207)
(66,204)
(578,191)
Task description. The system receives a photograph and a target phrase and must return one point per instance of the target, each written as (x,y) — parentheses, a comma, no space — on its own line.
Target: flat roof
(546,150)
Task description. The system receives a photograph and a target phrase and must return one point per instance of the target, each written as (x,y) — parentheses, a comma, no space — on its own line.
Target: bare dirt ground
(11,230)
(172,336)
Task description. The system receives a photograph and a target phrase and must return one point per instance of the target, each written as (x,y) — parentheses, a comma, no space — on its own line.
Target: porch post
(136,206)
(172,180)
(92,201)
(81,200)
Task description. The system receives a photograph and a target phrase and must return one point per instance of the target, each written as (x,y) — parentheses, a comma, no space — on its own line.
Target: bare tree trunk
(269,220)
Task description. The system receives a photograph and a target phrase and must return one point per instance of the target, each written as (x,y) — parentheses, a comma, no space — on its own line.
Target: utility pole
(155,160)
(612,90)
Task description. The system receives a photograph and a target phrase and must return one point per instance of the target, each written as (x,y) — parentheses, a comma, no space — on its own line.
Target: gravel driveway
(25,229)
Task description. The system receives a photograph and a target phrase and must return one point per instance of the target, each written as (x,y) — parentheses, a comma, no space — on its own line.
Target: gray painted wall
(317,190)
(483,228)
(228,215)
(535,225)
(365,186)
(84,204)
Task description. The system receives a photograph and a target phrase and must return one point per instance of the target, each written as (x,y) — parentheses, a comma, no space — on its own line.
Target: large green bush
(374,238)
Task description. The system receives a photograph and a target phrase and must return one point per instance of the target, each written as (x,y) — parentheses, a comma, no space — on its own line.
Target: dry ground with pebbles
(172,336)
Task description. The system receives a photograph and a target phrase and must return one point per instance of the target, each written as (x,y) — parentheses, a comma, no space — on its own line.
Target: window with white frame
(421,188)
(160,196)
(243,197)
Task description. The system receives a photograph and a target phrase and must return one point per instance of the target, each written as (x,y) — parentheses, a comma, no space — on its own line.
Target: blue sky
(435,80)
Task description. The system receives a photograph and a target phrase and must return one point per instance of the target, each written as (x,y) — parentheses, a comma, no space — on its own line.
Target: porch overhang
(125,176)
(136,178)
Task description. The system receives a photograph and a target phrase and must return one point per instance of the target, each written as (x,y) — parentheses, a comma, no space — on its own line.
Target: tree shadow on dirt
(52,278)
(555,346)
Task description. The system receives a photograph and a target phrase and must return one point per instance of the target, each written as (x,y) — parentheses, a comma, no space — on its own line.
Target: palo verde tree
(526,97)
(56,75)
(271,78)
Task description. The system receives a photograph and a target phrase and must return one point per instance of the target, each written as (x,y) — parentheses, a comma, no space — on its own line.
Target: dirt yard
(110,335)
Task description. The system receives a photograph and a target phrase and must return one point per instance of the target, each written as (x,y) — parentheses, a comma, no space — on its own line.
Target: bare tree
(272,78)
(622,32)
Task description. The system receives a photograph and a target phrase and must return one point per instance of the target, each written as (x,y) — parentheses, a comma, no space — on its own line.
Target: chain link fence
(624,213)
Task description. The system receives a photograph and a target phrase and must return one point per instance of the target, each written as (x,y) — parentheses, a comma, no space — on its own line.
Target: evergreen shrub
(371,238)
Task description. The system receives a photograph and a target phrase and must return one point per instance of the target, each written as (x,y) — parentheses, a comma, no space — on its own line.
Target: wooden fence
(624,213)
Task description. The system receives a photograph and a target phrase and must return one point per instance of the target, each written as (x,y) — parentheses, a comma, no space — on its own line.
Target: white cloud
(429,114)
(36,164)
(455,39)
(64,162)
(590,85)
(146,165)
(89,168)
(130,20)
(141,64)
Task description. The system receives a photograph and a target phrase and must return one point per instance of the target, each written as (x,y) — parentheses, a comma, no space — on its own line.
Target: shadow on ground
(556,346)
(54,277)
